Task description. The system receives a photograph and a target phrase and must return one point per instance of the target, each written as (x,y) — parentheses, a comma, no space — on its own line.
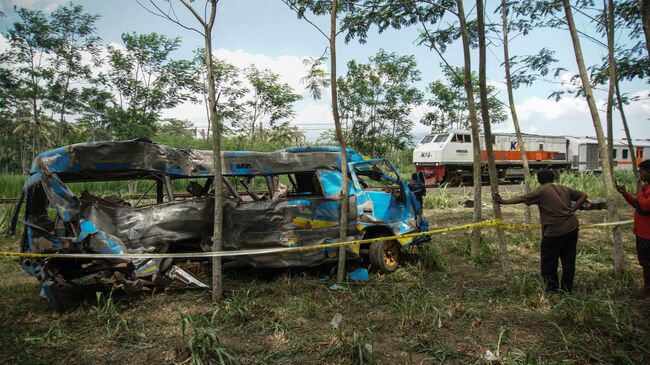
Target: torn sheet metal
(152,227)
(176,273)
(287,222)
(94,161)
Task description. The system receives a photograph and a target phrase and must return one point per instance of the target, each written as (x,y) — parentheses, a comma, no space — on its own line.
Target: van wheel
(384,256)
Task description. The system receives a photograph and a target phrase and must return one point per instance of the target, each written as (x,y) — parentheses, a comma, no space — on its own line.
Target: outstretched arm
(514,200)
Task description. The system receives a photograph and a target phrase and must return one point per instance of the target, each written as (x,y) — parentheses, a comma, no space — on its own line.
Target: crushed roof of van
(137,158)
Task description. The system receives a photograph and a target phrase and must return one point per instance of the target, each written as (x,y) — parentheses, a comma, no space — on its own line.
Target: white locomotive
(448,156)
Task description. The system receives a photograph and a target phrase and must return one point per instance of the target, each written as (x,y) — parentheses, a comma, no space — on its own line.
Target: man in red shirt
(641,206)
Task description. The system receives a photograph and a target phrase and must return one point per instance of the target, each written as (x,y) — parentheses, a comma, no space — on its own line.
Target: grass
(107,314)
(445,197)
(443,306)
(203,344)
(11,185)
(5,220)
(592,183)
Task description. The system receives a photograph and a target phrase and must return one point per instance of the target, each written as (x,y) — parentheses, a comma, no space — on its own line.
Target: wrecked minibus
(286,198)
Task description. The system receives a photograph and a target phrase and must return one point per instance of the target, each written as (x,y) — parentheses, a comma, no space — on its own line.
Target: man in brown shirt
(559,227)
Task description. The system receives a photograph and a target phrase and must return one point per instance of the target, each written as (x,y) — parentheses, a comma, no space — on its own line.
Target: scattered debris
(490,357)
(336,287)
(336,321)
(185,277)
(359,275)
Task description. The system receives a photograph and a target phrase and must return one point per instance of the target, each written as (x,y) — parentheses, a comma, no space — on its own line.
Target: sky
(268,34)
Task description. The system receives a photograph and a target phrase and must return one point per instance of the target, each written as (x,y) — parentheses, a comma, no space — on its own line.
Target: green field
(441,306)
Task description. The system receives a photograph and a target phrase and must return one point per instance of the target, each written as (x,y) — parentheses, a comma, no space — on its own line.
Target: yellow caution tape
(584,226)
(490,223)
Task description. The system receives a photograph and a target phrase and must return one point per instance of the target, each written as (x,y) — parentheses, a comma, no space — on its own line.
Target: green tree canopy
(449,101)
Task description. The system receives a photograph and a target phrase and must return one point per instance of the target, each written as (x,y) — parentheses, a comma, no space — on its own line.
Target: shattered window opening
(379,175)
(279,186)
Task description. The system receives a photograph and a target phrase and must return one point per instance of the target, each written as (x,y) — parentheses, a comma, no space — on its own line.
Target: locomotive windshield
(427,139)
(441,137)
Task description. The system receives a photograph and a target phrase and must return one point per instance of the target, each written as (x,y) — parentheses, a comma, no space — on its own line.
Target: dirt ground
(441,306)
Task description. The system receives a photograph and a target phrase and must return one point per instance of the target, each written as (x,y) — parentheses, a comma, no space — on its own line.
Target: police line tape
(497,223)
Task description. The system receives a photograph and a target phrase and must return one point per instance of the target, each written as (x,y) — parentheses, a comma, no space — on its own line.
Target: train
(447,157)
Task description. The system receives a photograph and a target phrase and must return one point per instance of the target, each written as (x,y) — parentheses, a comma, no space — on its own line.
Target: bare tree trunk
(36,142)
(608,8)
(217,280)
(476,144)
(511,103)
(207,111)
(630,144)
(343,228)
(23,154)
(645,17)
(608,180)
(217,236)
(487,130)
(63,105)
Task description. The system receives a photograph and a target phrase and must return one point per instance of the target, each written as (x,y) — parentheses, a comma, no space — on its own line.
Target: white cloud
(498,85)
(314,118)
(44,5)
(568,83)
(570,116)
(4,43)
(290,68)
(419,130)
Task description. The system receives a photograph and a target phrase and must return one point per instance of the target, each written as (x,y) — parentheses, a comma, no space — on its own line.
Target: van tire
(384,256)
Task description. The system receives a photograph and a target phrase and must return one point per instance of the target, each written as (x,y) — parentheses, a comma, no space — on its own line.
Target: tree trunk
(207,111)
(630,144)
(343,228)
(645,18)
(608,180)
(63,105)
(36,142)
(23,157)
(608,8)
(487,131)
(476,144)
(513,110)
(217,280)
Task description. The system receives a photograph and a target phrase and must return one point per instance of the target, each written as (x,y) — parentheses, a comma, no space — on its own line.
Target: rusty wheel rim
(391,253)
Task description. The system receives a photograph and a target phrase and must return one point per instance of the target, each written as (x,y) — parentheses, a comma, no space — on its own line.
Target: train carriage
(448,156)
(586,157)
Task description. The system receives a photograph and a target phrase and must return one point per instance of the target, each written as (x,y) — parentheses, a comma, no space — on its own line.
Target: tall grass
(11,185)
(592,183)
(5,221)
(443,197)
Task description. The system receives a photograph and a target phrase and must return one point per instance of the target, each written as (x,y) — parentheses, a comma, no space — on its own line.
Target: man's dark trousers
(564,249)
